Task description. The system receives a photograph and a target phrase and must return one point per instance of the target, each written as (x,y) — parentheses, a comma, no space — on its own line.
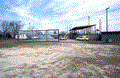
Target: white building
(21,36)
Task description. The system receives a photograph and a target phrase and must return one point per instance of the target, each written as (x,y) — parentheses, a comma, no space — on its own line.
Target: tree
(5,27)
(16,26)
(11,27)
(31,27)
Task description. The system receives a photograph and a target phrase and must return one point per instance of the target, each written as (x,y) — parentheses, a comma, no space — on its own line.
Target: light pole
(100,27)
(29,25)
(107,19)
(89,29)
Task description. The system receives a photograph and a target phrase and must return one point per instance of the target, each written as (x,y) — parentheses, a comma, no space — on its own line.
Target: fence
(38,35)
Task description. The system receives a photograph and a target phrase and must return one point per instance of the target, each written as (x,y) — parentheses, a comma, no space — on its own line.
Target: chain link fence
(38,35)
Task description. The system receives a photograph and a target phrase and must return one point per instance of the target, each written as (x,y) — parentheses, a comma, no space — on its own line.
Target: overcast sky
(47,14)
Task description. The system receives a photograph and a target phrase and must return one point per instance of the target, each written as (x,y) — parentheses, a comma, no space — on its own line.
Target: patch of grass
(9,45)
(99,42)
(100,61)
(32,44)
(24,44)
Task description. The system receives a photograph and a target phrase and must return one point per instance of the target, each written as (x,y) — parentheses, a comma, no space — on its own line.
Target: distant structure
(74,33)
(82,27)
(100,26)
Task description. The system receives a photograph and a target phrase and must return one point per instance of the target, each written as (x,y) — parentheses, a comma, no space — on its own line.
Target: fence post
(46,35)
(58,35)
(33,35)
(18,35)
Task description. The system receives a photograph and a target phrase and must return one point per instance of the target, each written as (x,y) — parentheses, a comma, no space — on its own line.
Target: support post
(33,35)
(46,35)
(89,29)
(18,35)
(100,28)
(107,19)
(58,35)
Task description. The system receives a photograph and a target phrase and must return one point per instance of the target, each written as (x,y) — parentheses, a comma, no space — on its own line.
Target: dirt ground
(64,59)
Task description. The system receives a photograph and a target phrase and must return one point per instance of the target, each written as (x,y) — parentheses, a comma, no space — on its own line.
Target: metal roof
(111,32)
(82,27)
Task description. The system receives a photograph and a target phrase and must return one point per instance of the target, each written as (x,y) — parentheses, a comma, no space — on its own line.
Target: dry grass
(25,44)
(88,67)
(99,42)
(56,60)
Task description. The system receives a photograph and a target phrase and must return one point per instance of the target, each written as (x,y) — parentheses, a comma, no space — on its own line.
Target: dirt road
(64,59)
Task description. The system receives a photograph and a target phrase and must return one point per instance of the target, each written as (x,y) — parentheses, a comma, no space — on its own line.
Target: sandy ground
(64,59)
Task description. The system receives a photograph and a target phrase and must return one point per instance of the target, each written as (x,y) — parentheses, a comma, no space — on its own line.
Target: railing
(38,35)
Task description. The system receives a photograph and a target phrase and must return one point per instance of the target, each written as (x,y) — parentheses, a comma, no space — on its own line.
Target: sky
(61,14)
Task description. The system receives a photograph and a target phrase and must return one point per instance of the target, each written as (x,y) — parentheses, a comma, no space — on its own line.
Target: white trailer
(21,36)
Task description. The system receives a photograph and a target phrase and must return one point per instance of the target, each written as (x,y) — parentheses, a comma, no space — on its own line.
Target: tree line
(10,28)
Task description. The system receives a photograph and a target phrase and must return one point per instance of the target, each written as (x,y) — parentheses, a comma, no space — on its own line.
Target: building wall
(94,36)
(113,37)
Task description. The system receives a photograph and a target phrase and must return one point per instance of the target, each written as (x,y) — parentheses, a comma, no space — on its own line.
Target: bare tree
(16,26)
(11,27)
(31,27)
(5,27)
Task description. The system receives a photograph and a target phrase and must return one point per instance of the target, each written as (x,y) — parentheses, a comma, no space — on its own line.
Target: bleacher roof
(82,27)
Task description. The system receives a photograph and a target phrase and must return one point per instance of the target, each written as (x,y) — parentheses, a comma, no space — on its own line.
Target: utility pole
(71,26)
(95,29)
(67,30)
(100,27)
(29,25)
(107,19)
(89,29)
(88,20)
